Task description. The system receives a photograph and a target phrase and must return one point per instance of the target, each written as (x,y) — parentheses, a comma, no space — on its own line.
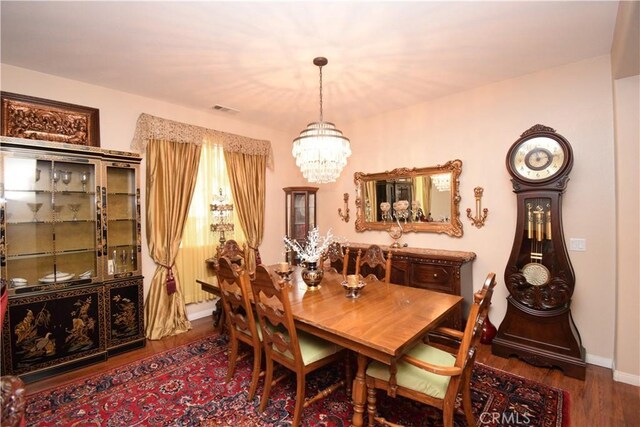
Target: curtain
(423,193)
(247,176)
(198,242)
(371,202)
(171,177)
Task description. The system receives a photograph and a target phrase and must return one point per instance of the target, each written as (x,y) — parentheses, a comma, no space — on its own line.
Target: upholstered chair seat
(414,378)
(312,348)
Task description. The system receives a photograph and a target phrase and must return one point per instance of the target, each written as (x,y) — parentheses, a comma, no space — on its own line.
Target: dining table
(382,323)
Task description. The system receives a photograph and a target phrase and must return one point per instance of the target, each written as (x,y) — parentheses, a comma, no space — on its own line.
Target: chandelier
(442,181)
(321,151)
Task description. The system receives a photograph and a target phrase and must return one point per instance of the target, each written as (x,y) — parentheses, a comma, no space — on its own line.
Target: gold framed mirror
(419,199)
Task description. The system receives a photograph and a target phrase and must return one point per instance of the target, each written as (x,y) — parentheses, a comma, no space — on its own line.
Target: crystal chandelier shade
(442,181)
(321,150)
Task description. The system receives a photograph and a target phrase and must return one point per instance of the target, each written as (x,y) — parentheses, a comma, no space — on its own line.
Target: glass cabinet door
(49,220)
(122,218)
(300,209)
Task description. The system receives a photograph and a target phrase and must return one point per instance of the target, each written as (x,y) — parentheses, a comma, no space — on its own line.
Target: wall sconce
(478,220)
(345,216)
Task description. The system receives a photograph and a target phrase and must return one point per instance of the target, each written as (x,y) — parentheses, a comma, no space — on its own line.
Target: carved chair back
(276,320)
(373,262)
(234,288)
(231,250)
(337,258)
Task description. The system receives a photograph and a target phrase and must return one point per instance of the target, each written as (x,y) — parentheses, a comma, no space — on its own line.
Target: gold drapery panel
(371,198)
(422,184)
(151,127)
(248,185)
(171,178)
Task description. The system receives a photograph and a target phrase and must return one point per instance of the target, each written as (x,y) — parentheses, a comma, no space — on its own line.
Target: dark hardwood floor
(597,401)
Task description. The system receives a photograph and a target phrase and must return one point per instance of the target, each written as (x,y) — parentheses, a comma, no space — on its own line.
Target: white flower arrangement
(315,246)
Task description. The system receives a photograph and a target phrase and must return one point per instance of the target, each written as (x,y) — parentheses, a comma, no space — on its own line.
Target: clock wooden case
(538,326)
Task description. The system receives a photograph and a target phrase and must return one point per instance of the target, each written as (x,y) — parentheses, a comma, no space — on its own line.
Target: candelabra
(222,213)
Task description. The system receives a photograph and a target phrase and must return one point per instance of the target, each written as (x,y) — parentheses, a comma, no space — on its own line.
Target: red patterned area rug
(185,387)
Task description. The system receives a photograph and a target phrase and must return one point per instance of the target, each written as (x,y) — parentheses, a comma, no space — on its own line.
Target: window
(198,242)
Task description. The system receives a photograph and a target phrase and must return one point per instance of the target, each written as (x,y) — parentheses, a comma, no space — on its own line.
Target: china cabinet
(300,211)
(69,254)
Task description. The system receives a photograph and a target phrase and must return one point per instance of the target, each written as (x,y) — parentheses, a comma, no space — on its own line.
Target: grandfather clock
(538,326)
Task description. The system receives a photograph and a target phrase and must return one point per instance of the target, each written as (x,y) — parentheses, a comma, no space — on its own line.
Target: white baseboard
(623,377)
(599,361)
(619,376)
(199,310)
(199,314)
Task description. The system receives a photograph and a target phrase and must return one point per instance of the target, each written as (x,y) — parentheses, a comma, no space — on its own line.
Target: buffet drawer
(434,277)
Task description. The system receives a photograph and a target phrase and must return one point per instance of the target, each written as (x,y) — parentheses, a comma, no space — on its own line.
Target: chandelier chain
(321,150)
(321,115)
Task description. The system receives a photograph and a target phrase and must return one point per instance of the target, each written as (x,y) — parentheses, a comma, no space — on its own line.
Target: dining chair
(337,258)
(232,250)
(373,262)
(296,350)
(242,325)
(431,375)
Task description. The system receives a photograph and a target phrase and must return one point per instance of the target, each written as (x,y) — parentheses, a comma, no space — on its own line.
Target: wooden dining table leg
(359,392)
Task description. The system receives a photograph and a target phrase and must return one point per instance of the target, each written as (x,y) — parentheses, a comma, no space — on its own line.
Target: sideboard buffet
(434,269)
(69,255)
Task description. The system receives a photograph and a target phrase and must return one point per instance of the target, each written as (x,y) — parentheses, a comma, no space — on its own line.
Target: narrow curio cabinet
(69,255)
(300,211)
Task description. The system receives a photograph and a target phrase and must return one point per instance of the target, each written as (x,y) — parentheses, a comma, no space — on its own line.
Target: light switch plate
(576,244)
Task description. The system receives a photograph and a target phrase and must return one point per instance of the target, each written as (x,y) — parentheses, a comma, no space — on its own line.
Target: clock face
(537,159)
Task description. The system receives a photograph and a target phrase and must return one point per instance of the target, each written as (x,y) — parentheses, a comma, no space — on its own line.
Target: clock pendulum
(538,326)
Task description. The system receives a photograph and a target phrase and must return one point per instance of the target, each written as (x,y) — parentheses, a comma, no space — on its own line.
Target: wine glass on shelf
(74,207)
(84,178)
(37,175)
(123,259)
(66,178)
(34,207)
(133,259)
(56,209)
(55,176)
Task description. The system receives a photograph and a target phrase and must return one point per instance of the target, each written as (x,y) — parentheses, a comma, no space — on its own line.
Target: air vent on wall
(224,109)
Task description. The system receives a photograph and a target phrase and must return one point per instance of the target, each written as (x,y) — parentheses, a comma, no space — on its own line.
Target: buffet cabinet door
(49,221)
(51,332)
(121,223)
(125,315)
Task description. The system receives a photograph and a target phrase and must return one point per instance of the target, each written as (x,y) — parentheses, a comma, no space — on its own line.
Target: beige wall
(118,114)
(627,154)
(478,127)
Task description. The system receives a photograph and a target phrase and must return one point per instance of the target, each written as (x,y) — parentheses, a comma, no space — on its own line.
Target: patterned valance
(151,127)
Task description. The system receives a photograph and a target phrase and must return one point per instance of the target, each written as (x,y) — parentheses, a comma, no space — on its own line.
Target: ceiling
(257,57)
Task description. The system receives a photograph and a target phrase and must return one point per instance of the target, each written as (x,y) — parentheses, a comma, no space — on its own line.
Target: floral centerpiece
(310,254)
(314,247)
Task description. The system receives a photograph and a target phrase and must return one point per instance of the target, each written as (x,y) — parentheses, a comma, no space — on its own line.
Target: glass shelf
(39,254)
